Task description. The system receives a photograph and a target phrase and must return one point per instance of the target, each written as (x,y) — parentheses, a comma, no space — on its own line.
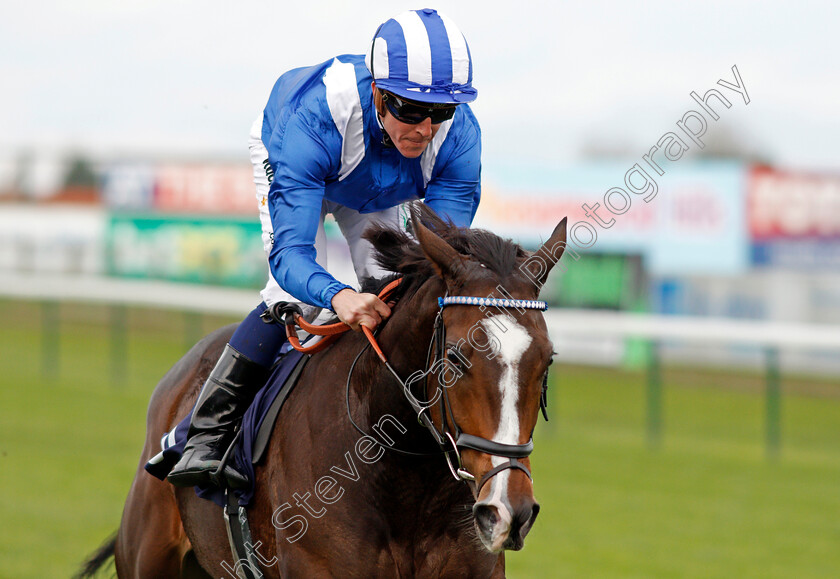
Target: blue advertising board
(689,221)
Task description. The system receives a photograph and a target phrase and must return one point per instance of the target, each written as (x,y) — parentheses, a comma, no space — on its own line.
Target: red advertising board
(787,205)
(204,188)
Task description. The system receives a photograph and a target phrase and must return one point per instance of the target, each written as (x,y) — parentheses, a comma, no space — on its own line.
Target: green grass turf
(706,503)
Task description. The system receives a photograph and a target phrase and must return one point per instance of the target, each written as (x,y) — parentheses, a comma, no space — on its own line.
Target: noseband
(451,443)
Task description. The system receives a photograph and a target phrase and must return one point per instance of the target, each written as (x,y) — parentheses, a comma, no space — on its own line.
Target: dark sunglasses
(414,113)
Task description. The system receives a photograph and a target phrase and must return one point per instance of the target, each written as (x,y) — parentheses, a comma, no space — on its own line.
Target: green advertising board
(604,281)
(212,250)
(599,281)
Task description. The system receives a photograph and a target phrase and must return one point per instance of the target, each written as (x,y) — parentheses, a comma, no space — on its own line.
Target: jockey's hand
(355,309)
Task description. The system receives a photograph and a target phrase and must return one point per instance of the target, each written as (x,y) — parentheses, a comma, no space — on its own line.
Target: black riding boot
(225,397)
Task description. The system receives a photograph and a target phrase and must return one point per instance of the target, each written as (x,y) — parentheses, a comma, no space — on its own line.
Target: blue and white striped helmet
(421,55)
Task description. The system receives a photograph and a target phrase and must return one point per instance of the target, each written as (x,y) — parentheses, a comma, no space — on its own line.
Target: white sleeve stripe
(346,110)
(460,54)
(427,163)
(418,51)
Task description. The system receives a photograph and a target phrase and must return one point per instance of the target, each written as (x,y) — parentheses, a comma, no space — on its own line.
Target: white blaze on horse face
(513,341)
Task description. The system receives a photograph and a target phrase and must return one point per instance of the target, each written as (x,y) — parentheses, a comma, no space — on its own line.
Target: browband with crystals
(492,302)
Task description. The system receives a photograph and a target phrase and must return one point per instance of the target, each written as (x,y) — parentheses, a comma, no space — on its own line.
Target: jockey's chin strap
(449,444)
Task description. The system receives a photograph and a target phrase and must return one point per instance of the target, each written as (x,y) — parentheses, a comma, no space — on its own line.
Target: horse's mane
(398,252)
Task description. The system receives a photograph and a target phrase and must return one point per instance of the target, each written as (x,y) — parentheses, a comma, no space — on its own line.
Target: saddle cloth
(257,424)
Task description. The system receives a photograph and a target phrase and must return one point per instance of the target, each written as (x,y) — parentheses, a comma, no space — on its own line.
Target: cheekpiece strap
(492,302)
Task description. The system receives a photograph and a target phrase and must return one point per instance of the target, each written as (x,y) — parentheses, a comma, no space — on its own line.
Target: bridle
(452,442)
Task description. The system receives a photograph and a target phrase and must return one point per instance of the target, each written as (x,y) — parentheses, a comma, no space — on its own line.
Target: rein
(291,315)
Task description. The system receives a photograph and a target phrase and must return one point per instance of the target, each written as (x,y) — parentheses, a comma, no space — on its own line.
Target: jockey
(355,136)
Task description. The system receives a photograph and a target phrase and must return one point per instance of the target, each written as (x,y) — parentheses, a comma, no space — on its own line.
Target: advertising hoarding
(185,188)
(207,249)
(695,223)
(794,219)
(207,189)
(221,251)
(129,186)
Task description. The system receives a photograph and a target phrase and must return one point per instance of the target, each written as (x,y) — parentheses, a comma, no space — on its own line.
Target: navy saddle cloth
(248,446)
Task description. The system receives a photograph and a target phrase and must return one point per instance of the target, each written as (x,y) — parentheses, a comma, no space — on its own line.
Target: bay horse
(352,484)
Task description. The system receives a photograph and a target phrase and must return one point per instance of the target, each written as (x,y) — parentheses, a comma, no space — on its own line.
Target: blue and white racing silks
(324,142)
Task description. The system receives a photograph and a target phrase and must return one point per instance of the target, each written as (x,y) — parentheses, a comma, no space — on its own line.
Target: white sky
(188,77)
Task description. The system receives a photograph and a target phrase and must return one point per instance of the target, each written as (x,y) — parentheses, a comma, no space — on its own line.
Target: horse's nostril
(534,512)
(485,516)
(524,519)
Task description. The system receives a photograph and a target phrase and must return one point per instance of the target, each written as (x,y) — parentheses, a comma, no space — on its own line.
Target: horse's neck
(420,488)
(422,485)
(405,340)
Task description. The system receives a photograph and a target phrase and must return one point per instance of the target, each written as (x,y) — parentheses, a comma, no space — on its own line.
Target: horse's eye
(457,359)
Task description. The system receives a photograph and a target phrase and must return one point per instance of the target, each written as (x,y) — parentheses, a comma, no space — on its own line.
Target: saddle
(248,448)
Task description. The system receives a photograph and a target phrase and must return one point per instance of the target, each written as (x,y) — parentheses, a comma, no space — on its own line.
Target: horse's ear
(538,265)
(445,259)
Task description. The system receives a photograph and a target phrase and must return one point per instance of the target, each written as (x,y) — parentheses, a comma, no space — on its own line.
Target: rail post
(773,403)
(50,339)
(654,397)
(119,344)
(193,328)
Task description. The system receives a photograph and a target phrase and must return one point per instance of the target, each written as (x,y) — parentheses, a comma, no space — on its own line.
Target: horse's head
(495,357)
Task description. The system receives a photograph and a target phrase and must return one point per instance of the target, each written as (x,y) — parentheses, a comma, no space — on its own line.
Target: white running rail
(563,323)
